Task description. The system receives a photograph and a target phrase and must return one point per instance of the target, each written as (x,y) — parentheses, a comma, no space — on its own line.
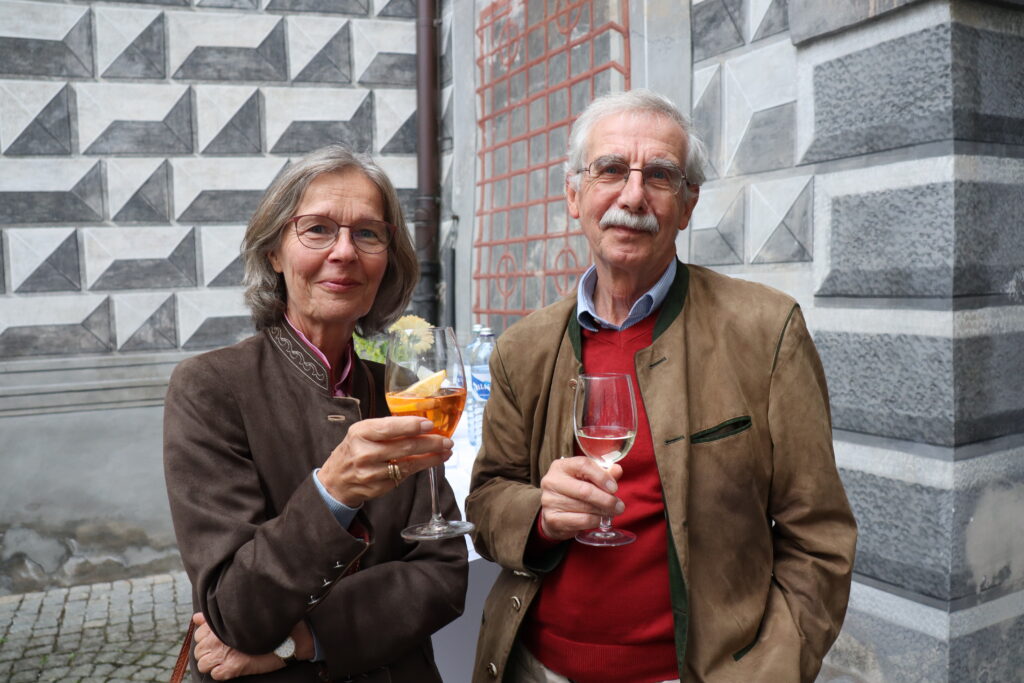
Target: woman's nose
(344,249)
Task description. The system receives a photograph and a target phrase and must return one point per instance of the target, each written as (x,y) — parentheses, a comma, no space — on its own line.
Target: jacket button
(516,603)
(492,670)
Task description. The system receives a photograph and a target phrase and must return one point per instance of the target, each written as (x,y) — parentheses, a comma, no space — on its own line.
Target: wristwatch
(286,650)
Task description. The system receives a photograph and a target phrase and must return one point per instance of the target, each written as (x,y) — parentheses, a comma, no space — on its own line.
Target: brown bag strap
(181,666)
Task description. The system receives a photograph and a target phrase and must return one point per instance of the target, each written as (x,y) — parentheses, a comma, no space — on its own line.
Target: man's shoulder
(542,321)
(724,291)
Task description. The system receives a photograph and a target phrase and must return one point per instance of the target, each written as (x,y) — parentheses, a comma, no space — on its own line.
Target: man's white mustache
(644,222)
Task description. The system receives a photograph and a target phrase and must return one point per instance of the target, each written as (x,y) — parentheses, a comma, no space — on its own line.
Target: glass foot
(434,531)
(609,537)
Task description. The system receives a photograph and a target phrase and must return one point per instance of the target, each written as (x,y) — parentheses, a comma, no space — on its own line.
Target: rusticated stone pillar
(912,115)
(867,157)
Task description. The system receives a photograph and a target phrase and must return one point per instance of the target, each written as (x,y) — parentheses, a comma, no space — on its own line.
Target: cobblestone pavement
(106,632)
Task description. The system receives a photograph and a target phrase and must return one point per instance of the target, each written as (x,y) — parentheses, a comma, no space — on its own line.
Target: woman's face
(330,289)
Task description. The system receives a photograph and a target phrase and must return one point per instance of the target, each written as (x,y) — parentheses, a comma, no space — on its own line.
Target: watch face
(285,649)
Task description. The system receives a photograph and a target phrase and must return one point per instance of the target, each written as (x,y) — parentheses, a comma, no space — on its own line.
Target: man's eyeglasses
(319,232)
(658,176)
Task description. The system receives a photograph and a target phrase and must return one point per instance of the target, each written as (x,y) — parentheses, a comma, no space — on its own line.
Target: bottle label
(482,385)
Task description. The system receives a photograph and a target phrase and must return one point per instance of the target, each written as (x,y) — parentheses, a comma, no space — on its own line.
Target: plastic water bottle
(480,383)
(467,352)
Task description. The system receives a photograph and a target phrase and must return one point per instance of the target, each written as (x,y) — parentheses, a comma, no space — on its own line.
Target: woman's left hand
(224,663)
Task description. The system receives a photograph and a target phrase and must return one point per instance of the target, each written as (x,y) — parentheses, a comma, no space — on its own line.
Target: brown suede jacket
(244,427)
(762,536)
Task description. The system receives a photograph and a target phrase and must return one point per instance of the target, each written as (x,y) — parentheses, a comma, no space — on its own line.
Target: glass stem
(435,514)
(606,522)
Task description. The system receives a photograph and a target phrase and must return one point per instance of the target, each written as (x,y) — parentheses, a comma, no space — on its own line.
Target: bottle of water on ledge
(480,382)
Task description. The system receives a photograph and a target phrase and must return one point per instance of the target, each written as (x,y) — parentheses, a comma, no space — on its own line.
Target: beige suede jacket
(762,536)
(244,427)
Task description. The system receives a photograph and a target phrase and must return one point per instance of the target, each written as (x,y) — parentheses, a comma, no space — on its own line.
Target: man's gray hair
(639,100)
(265,291)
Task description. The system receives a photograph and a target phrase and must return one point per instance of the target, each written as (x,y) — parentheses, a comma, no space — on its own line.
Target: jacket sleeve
(815,533)
(504,495)
(386,610)
(254,570)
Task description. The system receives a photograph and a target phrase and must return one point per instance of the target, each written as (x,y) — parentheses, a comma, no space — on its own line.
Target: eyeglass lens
(320,232)
(662,177)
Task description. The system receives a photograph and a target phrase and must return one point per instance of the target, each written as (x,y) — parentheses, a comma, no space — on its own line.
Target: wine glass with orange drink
(424,377)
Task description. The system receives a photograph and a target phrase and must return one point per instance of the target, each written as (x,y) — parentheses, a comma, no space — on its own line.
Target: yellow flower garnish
(409,322)
(419,342)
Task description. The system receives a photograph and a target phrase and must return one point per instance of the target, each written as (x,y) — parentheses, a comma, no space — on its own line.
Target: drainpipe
(428,186)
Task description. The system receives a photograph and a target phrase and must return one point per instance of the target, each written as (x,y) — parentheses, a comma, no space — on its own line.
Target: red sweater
(604,615)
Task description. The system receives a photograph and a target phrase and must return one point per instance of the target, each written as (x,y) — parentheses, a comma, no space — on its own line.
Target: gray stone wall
(135,140)
(868,159)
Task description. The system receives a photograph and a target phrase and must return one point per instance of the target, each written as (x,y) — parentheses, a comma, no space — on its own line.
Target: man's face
(637,139)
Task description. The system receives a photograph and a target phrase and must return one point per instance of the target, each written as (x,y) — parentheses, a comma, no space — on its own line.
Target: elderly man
(745,540)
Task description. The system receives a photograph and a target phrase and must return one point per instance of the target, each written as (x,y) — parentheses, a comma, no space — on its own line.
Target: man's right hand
(575,494)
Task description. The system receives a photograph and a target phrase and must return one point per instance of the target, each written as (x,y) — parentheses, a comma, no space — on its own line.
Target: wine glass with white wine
(604,419)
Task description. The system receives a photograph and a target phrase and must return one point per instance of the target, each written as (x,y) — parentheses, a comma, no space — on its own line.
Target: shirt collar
(339,386)
(648,302)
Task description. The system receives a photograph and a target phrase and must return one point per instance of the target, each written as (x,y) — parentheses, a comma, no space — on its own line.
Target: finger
(392,427)
(412,464)
(581,497)
(396,449)
(562,525)
(581,467)
(198,619)
(205,663)
(560,488)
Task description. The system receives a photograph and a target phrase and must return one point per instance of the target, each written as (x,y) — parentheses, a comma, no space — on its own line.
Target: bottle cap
(486,330)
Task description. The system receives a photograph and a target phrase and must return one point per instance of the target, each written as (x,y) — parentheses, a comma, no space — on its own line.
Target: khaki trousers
(523,667)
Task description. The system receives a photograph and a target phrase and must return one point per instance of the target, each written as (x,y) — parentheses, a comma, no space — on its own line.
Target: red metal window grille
(540,63)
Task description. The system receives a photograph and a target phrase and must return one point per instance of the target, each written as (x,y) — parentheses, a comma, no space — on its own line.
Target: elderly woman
(276,453)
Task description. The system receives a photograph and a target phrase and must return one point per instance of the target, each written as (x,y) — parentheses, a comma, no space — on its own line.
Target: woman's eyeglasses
(320,232)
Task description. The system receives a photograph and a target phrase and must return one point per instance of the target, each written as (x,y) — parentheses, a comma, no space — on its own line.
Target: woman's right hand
(357,470)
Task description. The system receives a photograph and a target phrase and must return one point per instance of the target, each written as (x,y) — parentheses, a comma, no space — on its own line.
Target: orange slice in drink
(428,386)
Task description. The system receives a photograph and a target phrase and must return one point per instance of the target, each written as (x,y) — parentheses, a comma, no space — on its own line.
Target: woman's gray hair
(639,100)
(265,289)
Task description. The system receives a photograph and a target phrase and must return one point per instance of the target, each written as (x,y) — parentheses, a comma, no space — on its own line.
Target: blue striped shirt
(650,301)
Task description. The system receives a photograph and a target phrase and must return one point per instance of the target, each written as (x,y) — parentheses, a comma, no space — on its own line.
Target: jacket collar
(299,356)
(670,310)
(312,369)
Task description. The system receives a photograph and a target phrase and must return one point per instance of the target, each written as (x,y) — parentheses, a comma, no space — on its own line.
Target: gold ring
(395,472)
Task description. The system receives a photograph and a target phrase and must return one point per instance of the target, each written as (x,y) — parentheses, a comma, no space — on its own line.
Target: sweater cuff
(542,553)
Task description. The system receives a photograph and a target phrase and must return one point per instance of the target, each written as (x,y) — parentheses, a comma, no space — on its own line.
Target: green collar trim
(674,300)
(670,309)
(575,335)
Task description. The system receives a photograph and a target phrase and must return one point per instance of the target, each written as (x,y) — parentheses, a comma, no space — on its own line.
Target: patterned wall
(539,64)
(744,105)
(136,138)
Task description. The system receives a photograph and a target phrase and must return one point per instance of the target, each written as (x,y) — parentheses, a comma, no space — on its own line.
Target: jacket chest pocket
(730,463)
(730,427)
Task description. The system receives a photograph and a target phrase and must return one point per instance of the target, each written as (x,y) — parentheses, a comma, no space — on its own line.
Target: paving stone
(59,673)
(39,649)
